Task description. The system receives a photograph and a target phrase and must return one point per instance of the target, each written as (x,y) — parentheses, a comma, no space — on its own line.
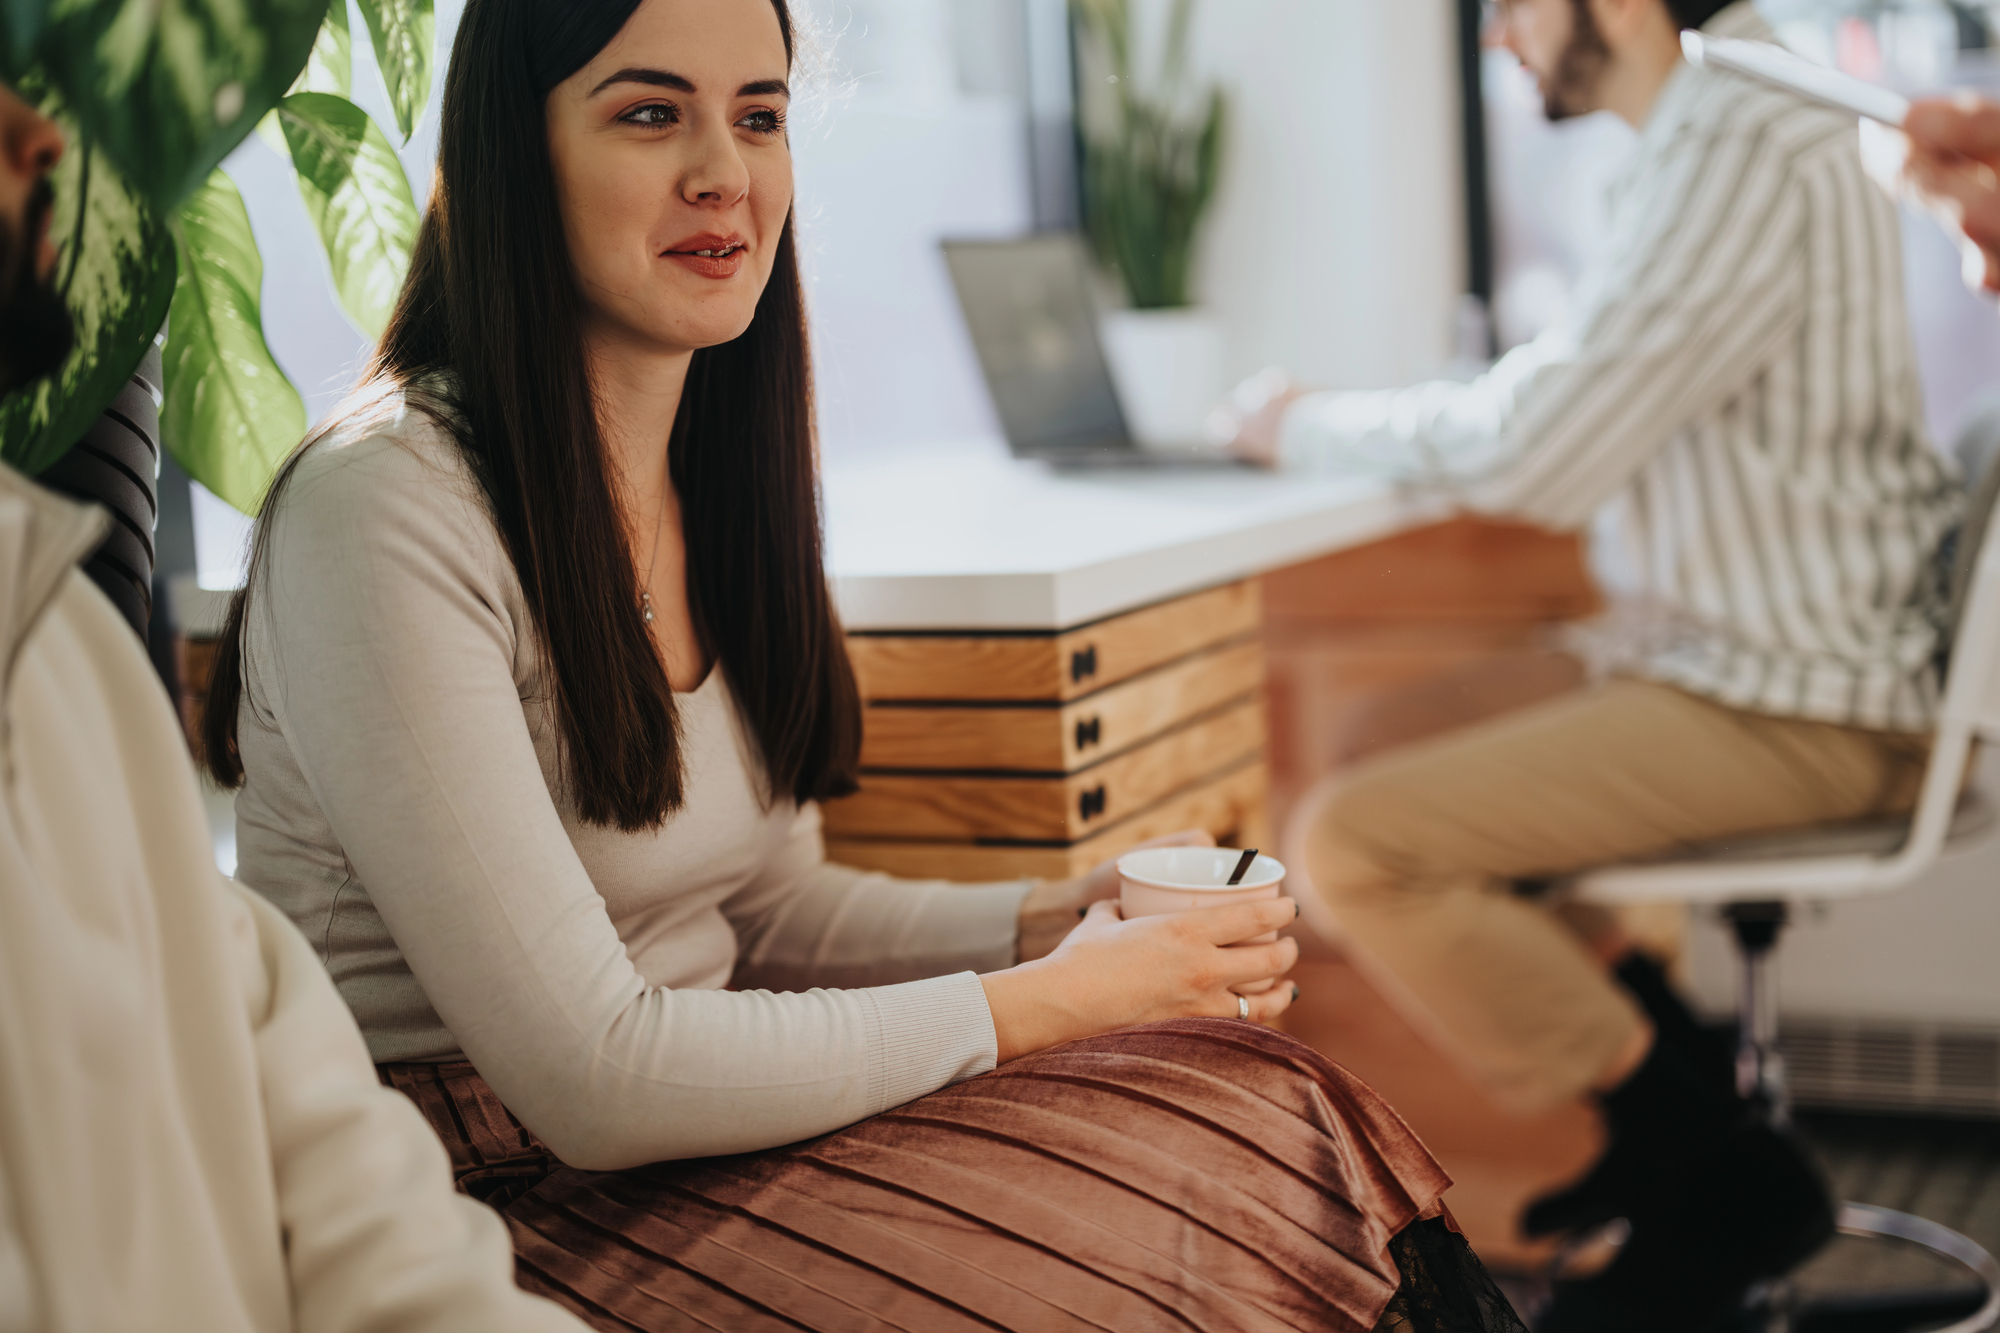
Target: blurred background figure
(1731,409)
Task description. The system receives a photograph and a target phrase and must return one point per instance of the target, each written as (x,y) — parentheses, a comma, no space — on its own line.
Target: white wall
(905,144)
(1337,246)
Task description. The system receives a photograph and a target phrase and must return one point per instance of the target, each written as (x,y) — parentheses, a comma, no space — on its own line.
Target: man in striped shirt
(1733,414)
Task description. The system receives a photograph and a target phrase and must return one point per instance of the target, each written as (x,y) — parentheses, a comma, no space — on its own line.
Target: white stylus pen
(1781,69)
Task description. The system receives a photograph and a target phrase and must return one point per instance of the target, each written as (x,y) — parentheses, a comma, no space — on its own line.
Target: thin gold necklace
(646,592)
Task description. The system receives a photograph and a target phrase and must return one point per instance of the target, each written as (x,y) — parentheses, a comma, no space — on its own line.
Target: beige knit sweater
(404,806)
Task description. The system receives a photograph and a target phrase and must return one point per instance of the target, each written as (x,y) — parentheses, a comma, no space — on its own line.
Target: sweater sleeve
(804,921)
(1706,278)
(386,653)
(375,1235)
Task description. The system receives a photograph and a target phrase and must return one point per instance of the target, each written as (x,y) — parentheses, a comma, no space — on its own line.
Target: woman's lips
(720,261)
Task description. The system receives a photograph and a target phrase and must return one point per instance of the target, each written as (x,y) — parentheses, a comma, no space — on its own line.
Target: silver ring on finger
(1243,1007)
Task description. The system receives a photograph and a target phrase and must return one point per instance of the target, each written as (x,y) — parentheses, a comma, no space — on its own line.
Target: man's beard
(1572,89)
(36,332)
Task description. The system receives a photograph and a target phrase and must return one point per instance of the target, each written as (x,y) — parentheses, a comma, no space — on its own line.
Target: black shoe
(1749,1206)
(1687,1064)
(1612,1189)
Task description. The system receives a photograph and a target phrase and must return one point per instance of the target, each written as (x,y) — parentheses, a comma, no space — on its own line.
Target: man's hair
(36,331)
(1694,13)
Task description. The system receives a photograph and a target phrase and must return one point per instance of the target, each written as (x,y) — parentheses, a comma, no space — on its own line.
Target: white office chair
(1754,881)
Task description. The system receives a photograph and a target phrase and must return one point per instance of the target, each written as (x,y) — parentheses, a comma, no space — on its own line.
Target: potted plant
(1151,155)
(158,265)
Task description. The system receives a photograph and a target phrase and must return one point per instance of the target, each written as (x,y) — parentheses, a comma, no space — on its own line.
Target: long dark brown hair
(491,312)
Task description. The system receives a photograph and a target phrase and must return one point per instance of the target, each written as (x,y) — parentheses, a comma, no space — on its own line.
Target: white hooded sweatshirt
(191,1132)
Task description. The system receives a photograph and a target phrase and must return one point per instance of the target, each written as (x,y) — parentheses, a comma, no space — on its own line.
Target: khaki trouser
(1415,853)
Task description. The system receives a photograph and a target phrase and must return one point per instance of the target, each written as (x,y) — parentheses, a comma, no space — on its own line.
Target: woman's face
(673,172)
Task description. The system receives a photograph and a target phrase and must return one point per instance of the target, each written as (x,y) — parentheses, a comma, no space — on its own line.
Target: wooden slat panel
(1229,807)
(1050,667)
(1062,739)
(1048,809)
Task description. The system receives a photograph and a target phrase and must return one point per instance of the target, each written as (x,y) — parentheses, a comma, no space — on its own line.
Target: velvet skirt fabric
(1198,1174)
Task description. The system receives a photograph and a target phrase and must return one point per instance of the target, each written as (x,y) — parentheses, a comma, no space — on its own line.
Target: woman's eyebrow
(660,78)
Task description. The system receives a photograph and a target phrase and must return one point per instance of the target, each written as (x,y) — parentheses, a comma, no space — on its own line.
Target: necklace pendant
(646,606)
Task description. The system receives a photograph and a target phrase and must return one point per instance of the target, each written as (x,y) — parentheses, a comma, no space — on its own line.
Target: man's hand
(1251,417)
(1953,169)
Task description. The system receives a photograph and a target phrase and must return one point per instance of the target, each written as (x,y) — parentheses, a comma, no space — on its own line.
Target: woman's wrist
(1028,1014)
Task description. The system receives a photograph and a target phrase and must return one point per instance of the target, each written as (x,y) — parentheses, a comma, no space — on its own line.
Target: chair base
(1776,1309)
(1760,1077)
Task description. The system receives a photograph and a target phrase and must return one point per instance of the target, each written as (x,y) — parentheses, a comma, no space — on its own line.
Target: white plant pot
(1167,366)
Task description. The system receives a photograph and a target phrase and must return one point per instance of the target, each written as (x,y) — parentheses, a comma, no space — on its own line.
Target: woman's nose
(718,175)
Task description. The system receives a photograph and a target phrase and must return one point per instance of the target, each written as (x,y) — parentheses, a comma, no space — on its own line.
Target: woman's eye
(653,115)
(763,122)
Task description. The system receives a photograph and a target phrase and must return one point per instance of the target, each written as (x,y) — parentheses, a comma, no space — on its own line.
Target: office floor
(1946,1171)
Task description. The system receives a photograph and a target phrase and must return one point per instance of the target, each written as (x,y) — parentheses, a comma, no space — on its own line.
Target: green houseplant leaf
(21,26)
(330,67)
(117,273)
(166,88)
(404,33)
(230,415)
(354,188)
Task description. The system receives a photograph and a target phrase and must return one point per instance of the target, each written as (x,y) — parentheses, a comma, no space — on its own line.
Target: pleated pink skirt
(1201,1174)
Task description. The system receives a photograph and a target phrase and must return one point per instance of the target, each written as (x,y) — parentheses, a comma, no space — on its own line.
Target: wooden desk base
(1000,754)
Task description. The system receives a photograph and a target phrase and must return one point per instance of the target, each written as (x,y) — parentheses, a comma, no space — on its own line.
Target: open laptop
(1027,305)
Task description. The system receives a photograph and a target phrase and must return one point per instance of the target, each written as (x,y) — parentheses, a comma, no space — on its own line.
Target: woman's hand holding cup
(1111,972)
(1158,880)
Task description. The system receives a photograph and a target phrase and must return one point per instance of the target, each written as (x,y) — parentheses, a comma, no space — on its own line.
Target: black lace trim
(1445,1287)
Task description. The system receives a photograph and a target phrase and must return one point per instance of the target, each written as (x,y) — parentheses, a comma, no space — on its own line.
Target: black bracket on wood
(1089,733)
(1082,665)
(1090,804)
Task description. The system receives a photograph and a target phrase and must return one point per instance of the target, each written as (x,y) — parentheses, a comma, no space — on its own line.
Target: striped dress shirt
(1732,411)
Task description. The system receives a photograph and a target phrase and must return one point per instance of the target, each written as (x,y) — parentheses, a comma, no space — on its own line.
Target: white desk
(972,540)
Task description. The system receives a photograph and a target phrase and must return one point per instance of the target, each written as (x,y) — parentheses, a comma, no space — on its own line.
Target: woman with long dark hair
(531,693)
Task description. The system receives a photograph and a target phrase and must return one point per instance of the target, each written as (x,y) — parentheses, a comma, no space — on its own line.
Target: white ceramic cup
(1159,880)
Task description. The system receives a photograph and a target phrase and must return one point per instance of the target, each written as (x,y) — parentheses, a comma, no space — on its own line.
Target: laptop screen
(1027,305)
